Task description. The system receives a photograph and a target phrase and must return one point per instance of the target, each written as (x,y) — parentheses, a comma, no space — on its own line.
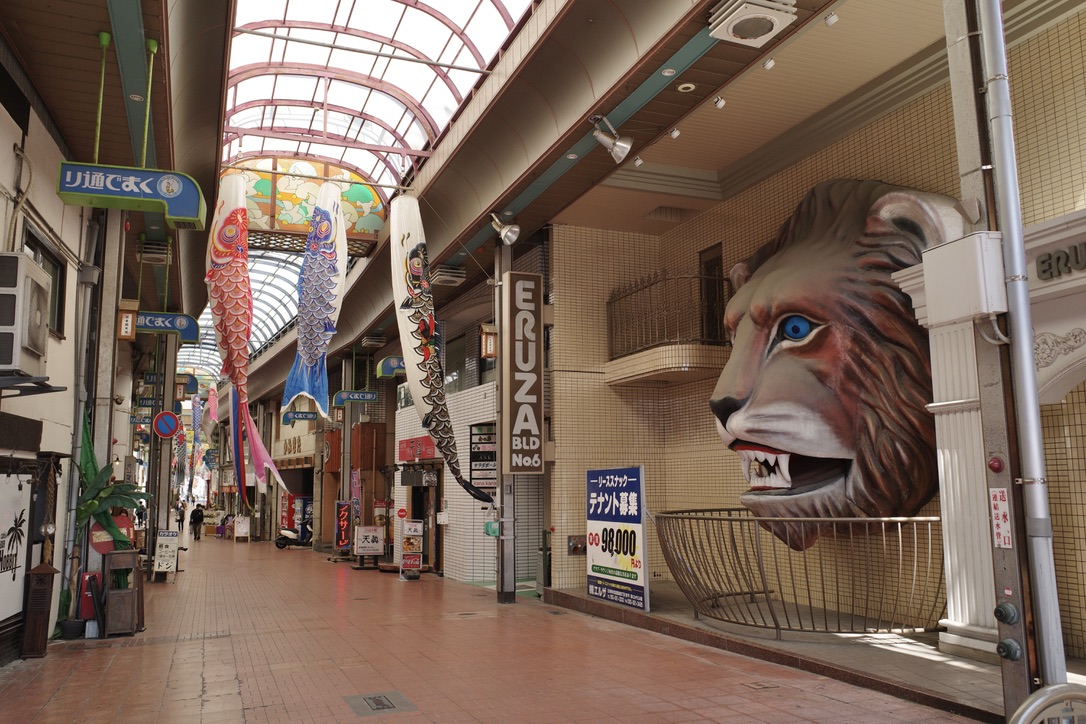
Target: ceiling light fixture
(638,162)
(719,102)
(769,63)
(668,72)
(508,233)
(616,145)
(685,87)
(830,20)
(674,133)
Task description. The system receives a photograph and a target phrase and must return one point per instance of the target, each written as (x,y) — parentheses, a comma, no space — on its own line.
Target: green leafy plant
(96,497)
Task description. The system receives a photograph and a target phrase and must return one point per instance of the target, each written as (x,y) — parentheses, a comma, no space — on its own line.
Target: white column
(963,492)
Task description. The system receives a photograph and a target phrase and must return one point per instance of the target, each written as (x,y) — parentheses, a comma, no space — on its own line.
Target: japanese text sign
(615,526)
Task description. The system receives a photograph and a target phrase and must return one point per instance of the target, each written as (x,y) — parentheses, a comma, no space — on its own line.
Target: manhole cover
(761,685)
(382,702)
(378,703)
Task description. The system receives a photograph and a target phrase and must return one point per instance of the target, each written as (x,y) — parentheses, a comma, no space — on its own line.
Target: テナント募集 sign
(522,373)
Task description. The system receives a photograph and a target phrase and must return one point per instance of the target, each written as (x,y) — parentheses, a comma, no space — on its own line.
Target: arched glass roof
(363,85)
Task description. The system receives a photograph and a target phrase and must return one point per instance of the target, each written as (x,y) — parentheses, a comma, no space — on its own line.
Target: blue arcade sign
(344,396)
(139,419)
(164,322)
(390,367)
(173,194)
(148,402)
(291,417)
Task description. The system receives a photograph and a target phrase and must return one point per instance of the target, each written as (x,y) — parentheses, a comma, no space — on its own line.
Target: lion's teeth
(782,465)
(759,455)
(773,481)
(770,460)
(746,466)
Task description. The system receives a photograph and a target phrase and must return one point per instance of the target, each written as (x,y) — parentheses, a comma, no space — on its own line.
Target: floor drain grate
(383,702)
(378,703)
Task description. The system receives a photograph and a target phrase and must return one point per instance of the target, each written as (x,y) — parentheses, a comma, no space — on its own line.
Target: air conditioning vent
(449,276)
(751,22)
(24,315)
(154,252)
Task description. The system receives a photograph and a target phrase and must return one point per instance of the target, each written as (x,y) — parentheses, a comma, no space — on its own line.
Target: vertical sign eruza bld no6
(615,527)
(522,373)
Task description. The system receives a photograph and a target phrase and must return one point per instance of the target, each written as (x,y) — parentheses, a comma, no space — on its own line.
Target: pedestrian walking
(196,521)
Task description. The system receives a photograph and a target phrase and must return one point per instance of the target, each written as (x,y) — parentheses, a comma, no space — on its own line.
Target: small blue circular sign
(166,424)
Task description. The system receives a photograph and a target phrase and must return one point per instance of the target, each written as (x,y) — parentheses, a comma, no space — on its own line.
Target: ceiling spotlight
(674,133)
(685,87)
(830,19)
(719,102)
(637,161)
(769,63)
(616,145)
(508,233)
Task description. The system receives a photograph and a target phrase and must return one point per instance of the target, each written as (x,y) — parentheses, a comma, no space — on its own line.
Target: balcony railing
(666,308)
(863,575)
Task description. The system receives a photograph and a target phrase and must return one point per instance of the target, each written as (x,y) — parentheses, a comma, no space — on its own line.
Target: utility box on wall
(963,279)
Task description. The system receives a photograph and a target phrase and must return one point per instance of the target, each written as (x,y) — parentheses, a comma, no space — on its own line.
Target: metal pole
(507,549)
(1024,373)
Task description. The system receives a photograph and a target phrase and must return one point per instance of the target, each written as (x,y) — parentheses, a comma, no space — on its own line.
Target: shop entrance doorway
(425,504)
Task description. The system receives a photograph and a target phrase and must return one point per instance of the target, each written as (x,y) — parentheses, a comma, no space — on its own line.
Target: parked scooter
(291,537)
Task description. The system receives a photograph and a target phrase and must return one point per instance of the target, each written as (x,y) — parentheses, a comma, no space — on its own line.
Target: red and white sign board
(401,513)
(411,562)
(416,448)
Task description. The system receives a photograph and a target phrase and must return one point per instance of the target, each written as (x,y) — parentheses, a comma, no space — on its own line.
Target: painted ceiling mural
(281,192)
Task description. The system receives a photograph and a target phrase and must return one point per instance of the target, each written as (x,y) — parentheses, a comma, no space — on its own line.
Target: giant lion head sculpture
(823,397)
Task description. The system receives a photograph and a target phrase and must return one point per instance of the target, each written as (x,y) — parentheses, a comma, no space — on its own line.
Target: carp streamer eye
(415,266)
(796,328)
(324,228)
(230,233)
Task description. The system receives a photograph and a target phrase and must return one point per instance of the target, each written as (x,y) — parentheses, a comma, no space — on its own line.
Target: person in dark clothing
(196,521)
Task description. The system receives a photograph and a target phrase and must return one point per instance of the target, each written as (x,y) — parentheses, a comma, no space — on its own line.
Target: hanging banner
(522,373)
(617,566)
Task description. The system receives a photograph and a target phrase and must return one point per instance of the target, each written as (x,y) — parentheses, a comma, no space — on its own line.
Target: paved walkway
(248,633)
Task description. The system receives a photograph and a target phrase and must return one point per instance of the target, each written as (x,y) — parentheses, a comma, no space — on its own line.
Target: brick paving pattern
(248,633)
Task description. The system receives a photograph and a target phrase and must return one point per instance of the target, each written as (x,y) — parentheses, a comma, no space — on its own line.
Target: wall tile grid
(669,429)
(1064,428)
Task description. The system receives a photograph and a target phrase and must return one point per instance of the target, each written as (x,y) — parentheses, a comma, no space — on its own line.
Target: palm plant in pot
(96,497)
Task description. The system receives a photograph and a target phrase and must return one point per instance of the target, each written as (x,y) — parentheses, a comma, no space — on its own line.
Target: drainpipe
(1024,373)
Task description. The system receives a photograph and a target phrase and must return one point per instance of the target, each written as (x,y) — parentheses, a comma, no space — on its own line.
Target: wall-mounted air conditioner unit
(24,315)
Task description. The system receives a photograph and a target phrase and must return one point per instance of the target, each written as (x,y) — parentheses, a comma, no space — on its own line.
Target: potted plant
(96,497)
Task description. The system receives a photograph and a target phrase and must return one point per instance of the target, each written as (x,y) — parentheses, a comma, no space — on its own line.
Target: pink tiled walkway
(249,633)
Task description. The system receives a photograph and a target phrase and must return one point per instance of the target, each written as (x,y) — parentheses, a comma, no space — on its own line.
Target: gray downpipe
(1024,373)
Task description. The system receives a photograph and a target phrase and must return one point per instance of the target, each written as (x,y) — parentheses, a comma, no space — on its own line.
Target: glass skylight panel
(487,31)
(380,17)
(296,87)
(304,52)
(251,89)
(326,150)
(381,105)
(293,117)
(458,11)
(248,11)
(247,117)
(312,11)
(414,78)
(348,95)
(248,50)
(427,34)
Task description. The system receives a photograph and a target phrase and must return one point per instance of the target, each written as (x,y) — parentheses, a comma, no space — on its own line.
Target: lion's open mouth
(775,472)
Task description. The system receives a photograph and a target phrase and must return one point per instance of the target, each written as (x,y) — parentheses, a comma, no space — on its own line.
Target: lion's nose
(723,407)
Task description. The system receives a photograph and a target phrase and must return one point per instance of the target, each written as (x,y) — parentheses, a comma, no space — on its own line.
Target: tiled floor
(250,633)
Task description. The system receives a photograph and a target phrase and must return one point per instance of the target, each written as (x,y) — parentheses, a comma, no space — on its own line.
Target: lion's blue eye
(796,328)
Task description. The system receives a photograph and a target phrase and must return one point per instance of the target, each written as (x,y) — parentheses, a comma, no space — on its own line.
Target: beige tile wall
(669,429)
(1064,428)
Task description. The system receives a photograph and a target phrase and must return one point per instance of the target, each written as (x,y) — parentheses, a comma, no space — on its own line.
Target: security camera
(118,399)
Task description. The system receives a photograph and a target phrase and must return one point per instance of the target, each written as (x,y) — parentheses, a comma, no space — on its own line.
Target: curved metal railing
(863,575)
